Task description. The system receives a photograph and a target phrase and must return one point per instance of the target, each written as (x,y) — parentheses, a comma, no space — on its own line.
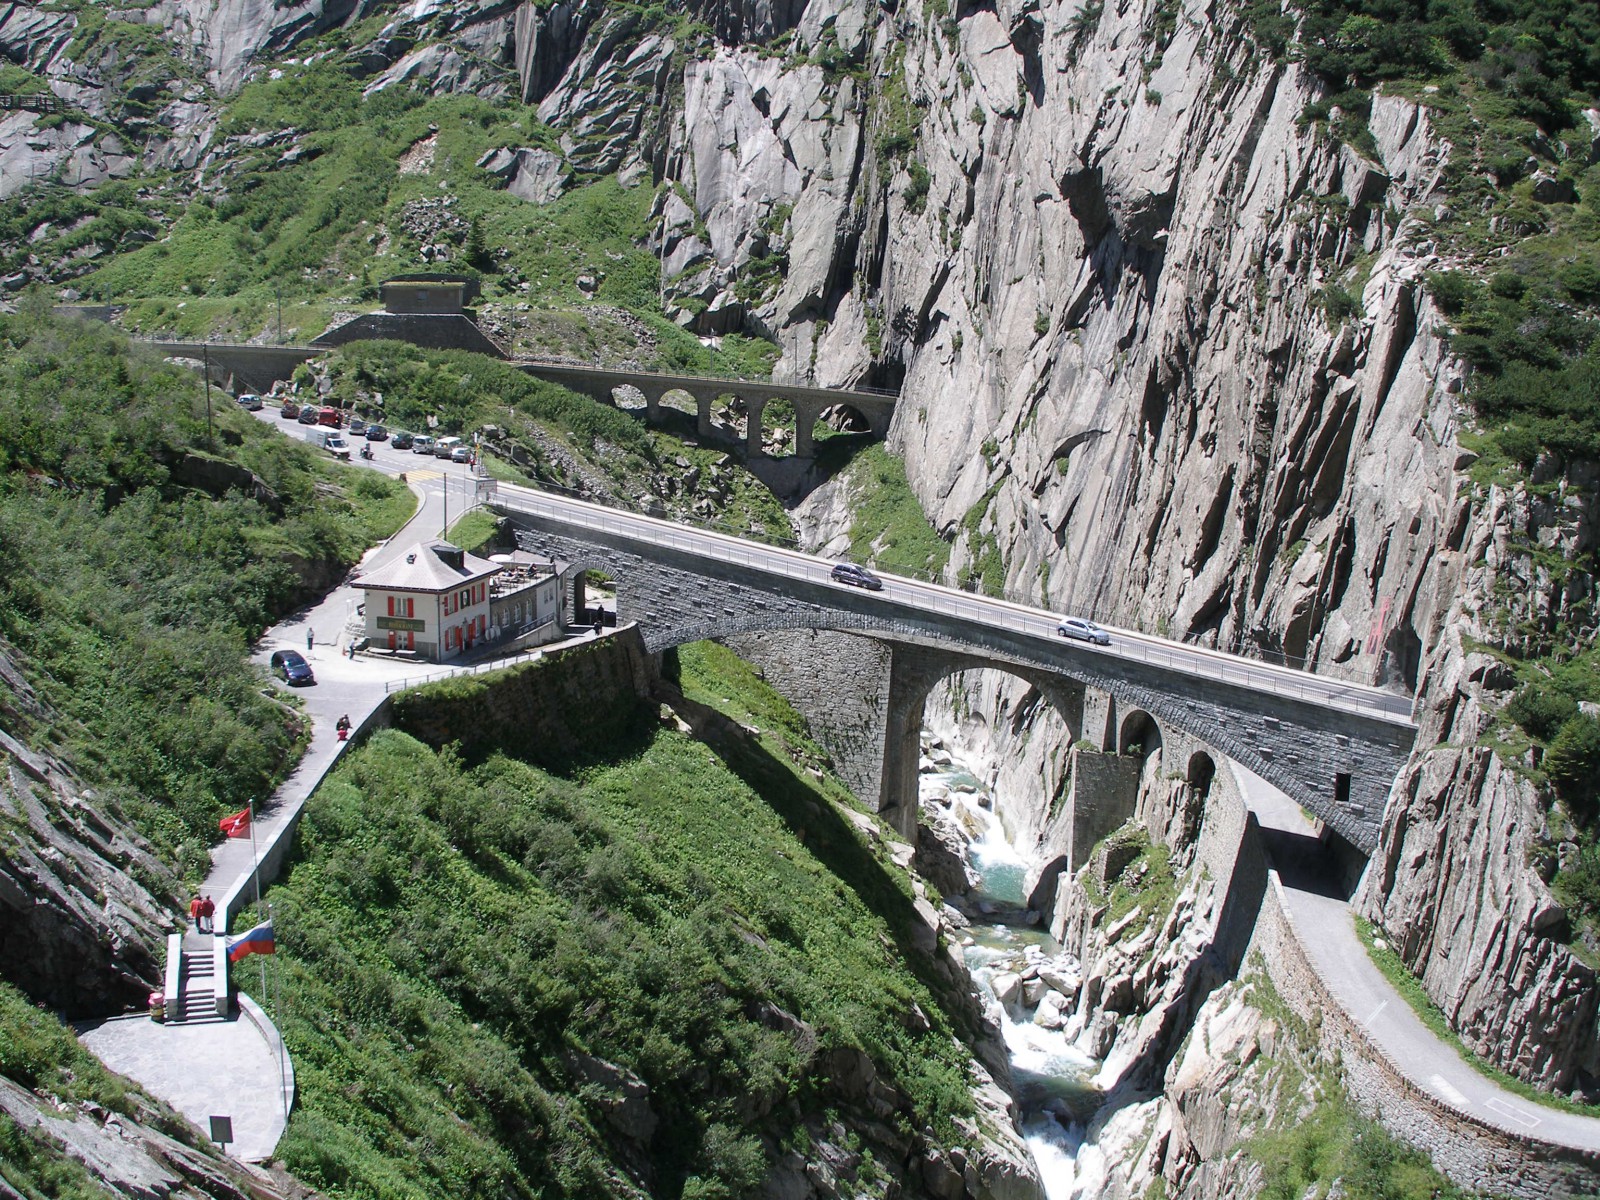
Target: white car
(1084,630)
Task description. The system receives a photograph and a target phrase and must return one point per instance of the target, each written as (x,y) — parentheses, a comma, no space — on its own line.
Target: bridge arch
(1140,735)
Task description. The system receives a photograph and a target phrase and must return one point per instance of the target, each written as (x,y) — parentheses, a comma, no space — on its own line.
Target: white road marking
(1448,1091)
(1515,1111)
(1368,1022)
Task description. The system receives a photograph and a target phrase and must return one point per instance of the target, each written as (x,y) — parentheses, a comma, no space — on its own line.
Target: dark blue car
(291,667)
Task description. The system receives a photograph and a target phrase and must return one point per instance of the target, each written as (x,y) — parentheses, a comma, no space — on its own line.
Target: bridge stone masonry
(1338,763)
(257,368)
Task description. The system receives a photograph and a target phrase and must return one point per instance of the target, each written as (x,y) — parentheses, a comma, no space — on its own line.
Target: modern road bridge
(259,367)
(1335,747)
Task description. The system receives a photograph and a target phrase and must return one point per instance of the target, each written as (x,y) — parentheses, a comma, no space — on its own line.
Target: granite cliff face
(1456,883)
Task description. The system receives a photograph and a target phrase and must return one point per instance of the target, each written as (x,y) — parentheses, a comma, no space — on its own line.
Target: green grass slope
(461,943)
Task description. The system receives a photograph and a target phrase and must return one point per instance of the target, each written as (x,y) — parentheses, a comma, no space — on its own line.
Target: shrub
(1573,765)
(1541,710)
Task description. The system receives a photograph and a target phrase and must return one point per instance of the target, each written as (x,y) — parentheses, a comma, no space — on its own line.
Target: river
(1016,965)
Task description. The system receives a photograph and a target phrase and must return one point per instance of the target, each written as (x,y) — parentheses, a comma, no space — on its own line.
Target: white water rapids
(1050,1074)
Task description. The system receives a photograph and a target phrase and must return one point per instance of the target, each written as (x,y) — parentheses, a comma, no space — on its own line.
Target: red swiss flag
(237,825)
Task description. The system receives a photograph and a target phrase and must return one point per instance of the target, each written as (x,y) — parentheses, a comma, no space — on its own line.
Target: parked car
(446,446)
(461,454)
(291,667)
(422,444)
(400,441)
(308,415)
(250,402)
(357,427)
(855,576)
(291,410)
(330,416)
(375,433)
(1084,630)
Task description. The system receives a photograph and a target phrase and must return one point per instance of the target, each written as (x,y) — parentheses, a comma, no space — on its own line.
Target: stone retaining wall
(546,715)
(840,684)
(1471,1154)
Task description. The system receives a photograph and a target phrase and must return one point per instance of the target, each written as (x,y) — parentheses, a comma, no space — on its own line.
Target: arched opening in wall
(678,413)
(628,398)
(1140,737)
(839,433)
(1202,770)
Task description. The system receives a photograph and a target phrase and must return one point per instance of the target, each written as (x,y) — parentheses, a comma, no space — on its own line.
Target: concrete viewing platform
(235,1068)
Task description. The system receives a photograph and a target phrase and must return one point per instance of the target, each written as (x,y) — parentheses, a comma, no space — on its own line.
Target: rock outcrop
(86,907)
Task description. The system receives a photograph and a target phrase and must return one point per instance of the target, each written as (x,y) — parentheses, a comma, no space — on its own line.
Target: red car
(329,417)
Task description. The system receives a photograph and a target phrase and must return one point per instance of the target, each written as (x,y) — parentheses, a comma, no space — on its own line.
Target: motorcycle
(366,453)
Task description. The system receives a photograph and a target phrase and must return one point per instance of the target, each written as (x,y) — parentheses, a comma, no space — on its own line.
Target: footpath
(1326,931)
(234,1065)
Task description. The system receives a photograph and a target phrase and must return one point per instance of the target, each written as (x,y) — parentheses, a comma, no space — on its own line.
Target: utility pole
(277,290)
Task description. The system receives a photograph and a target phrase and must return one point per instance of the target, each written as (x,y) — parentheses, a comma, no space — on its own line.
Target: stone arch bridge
(1334,747)
(245,366)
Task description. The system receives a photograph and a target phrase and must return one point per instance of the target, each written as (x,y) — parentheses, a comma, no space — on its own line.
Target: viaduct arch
(1337,764)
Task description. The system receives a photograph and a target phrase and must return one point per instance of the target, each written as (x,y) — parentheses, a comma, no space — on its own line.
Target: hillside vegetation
(146,546)
(1505,83)
(629,975)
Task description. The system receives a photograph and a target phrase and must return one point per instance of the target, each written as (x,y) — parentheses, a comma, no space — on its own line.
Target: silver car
(1084,630)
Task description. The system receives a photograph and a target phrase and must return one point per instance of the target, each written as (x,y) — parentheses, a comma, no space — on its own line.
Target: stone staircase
(196,1001)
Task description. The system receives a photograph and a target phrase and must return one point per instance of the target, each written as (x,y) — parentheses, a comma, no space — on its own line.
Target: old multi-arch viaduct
(1334,747)
(249,367)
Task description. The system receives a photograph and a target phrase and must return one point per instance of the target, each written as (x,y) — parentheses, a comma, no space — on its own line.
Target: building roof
(430,566)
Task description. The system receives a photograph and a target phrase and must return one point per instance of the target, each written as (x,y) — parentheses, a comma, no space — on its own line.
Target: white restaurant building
(434,601)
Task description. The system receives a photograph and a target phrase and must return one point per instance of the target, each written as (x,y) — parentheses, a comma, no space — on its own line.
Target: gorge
(1262,328)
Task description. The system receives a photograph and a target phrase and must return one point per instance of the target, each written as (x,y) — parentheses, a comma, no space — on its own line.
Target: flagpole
(255,860)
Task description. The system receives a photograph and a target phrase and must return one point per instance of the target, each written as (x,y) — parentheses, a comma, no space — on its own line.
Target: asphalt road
(1385,1017)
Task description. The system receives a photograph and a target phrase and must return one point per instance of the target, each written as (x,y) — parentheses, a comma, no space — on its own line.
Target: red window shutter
(391,606)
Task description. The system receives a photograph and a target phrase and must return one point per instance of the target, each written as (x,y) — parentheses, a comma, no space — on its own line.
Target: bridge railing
(710,372)
(1099,611)
(990,612)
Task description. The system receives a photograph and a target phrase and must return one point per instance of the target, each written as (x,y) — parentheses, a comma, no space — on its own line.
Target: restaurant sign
(403,624)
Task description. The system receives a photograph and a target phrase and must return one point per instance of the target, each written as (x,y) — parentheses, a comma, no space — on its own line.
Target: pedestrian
(208,910)
(308,639)
(194,914)
(342,726)
(352,649)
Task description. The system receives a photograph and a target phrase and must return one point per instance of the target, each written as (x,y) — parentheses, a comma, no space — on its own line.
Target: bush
(1541,710)
(1572,764)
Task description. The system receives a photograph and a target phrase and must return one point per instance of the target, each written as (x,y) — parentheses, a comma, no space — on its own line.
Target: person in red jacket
(208,910)
(194,914)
